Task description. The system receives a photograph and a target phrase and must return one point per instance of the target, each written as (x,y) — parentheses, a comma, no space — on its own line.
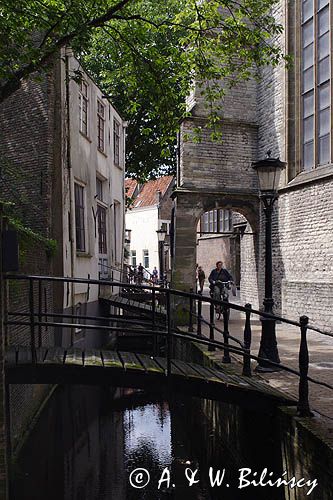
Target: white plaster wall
(86,163)
(144,223)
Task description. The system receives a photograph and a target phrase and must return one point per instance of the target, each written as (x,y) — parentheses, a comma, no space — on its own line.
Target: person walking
(140,274)
(155,276)
(201,279)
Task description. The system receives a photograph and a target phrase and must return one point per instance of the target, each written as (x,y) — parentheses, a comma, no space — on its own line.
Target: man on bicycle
(218,274)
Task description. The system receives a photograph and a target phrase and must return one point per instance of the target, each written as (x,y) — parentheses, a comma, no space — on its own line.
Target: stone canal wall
(280,441)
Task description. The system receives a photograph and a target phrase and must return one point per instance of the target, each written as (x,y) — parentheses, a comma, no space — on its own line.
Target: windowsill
(85,136)
(102,152)
(118,166)
(102,204)
(314,175)
(212,236)
(83,255)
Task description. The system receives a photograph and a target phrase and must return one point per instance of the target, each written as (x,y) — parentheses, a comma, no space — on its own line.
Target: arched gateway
(215,175)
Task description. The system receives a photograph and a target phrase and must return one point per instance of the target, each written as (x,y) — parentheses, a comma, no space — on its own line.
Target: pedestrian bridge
(127,369)
(44,364)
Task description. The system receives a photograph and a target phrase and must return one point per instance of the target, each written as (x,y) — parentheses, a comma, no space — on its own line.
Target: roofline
(93,80)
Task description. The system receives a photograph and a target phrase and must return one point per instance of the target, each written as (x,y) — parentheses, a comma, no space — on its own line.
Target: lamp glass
(161,234)
(269,178)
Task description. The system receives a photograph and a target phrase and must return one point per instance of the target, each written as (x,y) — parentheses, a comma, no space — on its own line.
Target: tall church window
(316,83)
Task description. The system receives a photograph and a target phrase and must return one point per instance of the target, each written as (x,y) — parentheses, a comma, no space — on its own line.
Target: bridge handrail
(169,332)
(174,333)
(176,292)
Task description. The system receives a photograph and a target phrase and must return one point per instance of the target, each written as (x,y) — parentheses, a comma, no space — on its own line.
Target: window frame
(99,189)
(102,229)
(308,128)
(116,142)
(133,258)
(80,214)
(83,107)
(100,126)
(216,221)
(145,258)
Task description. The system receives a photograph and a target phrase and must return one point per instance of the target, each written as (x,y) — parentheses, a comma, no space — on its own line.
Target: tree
(144,54)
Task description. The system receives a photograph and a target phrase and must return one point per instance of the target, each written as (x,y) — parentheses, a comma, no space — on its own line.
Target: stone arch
(189,206)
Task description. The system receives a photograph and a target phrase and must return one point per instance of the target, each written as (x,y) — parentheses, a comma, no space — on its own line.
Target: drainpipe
(70,181)
(125,125)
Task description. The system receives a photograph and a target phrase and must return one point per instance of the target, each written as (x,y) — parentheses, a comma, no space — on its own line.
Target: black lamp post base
(268,348)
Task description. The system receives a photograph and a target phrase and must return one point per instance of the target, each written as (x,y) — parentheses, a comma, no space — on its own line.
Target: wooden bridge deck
(133,305)
(127,369)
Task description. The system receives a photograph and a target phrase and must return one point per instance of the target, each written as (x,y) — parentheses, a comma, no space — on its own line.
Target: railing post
(32,320)
(153,321)
(199,317)
(39,313)
(247,342)
(88,288)
(226,355)
(190,325)
(211,326)
(169,338)
(45,309)
(303,407)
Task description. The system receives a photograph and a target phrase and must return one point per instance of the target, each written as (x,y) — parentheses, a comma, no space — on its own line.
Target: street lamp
(161,234)
(268,171)
(166,258)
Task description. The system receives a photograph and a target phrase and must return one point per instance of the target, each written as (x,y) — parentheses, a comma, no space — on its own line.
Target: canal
(90,442)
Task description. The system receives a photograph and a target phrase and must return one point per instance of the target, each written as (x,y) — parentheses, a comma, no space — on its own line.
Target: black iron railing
(176,301)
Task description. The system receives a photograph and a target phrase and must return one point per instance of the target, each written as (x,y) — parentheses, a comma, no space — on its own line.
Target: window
(133,255)
(315,83)
(101,217)
(145,255)
(100,125)
(216,221)
(83,107)
(79,218)
(99,189)
(101,223)
(116,142)
(103,268)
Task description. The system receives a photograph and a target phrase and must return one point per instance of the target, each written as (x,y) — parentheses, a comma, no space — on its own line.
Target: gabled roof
(148,195)
(130,187)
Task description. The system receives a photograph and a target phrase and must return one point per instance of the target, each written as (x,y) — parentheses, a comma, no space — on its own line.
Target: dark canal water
(89,441)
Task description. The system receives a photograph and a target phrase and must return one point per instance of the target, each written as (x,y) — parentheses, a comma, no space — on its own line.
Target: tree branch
(14,82)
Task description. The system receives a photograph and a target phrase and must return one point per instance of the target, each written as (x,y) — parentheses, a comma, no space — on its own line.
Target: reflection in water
(88,441)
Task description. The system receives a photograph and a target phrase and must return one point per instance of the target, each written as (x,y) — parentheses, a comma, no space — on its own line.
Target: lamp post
(166,259)
(268,171)
(161,234)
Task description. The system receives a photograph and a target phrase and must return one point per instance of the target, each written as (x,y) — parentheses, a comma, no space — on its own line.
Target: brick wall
(228,161)
(26,155)
(303,255)
(211,249)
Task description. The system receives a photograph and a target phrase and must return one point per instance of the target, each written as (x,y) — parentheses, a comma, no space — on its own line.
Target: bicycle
(221,292)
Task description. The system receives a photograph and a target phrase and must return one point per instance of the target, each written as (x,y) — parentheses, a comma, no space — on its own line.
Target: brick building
(290,113)
(62,157)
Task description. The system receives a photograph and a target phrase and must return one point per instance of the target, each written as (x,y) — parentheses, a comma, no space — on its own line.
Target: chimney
(158,197)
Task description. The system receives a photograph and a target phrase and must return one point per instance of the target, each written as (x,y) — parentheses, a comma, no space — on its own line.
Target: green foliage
(27,236)
(145,55)
(147,66)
